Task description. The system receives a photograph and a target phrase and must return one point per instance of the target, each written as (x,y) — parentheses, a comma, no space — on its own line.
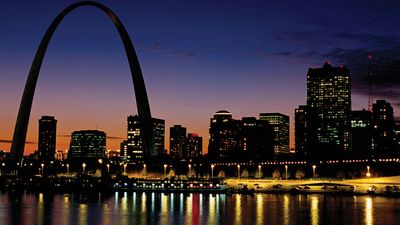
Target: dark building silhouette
(362,133)
(280,124)
(132,149)
(177,141)
(194,146)
(246,139)
(257,139)
(47,138)
(301,130)
(87,145)
(329,108)
(224,133)
(384,128)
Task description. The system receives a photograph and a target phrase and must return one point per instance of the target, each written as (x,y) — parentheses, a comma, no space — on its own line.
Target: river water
(174,208)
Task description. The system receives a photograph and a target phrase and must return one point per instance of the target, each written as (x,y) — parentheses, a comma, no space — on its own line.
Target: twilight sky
(197,57)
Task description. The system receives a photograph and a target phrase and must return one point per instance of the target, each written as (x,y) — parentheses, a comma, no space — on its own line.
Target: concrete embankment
(388,186)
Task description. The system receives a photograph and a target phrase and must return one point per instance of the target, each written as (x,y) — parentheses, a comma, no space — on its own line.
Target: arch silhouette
(143,107)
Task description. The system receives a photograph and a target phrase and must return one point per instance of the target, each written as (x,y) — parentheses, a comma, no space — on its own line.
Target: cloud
(384,65)
(10,141)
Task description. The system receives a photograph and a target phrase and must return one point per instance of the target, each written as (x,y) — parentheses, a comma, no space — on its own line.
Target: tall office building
(47,138)
(224,133)
(87,145)
(301,130)
(384,128)
(361,133)
(329,108)
(177,141)
(132,148)
(159,136)
(194,145)
(280,124)
(257,139)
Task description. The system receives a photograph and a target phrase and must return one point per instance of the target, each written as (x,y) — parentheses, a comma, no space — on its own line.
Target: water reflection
(260,209)
(157,208)
(369,219)
(314,210)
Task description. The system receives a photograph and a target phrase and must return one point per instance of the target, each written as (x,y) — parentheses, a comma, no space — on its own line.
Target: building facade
(384,128)
(177,141)
(194,146)
(246,139)
(329,108)
(361,133)
(132,149)
(87,145)
(47,138)
(280,124)
(224,133)
(301,130)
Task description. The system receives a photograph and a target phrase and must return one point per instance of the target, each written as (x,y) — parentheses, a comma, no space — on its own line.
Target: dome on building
(223,112)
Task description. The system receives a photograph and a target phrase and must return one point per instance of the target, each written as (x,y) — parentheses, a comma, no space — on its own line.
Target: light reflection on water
(157,208)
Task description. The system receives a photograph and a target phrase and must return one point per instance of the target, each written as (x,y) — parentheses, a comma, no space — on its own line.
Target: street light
(83,167)
(286,168)
(314,167)
(238,166)
(125,165)
(165,170)
(212,170)
(108,168)
(144,170)
(67,168)
(190,170)
(259,171)
(368,173)
(42,165)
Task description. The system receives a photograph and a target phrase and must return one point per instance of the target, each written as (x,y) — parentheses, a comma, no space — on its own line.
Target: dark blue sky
(197,57)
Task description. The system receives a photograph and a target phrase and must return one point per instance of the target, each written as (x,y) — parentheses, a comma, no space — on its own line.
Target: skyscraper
(384,128)
(47,138)
(177,141)
(132,148)
(280,124)
(301,130)
(361,133)
(257,139)
(224,140)
(194,145)
(87,145)
(329,108)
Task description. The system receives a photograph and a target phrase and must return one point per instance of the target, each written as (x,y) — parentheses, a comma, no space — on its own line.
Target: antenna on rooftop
(370,82)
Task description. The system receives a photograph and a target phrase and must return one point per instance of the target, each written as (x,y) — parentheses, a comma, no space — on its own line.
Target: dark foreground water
(157,208)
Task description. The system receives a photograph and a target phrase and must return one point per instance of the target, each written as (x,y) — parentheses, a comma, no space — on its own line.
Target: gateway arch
(142,103)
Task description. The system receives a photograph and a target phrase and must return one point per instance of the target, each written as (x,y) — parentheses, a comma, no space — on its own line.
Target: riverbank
(385,186)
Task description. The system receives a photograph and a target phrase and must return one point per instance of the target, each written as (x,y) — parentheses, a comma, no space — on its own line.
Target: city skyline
(218,67)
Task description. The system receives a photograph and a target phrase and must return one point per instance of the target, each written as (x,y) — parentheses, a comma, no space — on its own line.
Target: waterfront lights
(314,167)
(212,170)
(238,167)
(165,170)
(190,170)
(42,165)
(286,168)
(144,170)
(83,167)
(368,173)
(125,165)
